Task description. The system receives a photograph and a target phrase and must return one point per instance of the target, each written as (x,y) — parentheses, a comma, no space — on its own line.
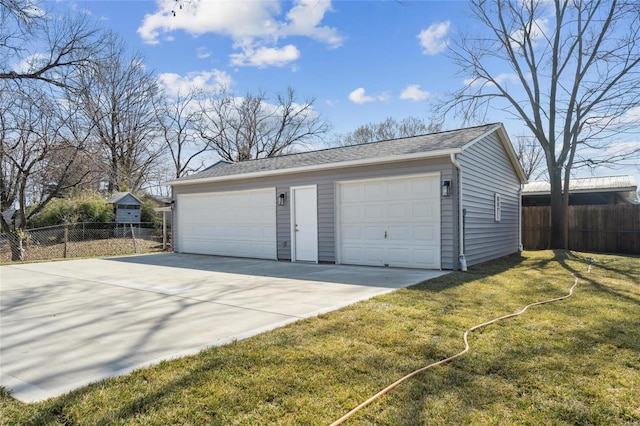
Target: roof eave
(585,191)
(327,166)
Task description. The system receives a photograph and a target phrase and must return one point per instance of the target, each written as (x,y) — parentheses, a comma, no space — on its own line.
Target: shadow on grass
(459,278)
(630,274)
(593,345)
(56,409)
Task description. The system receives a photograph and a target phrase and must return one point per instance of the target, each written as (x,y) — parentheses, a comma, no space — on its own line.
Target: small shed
(126,206)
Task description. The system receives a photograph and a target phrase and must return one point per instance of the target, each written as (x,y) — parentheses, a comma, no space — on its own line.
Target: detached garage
(436,201)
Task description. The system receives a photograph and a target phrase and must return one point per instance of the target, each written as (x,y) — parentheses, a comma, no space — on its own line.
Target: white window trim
(497,207)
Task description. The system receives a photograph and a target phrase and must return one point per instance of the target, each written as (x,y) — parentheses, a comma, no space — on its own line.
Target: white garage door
(241,223)
(390,222)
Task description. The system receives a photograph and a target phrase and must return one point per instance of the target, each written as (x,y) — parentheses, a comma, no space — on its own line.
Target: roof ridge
(355,145)
(442,143)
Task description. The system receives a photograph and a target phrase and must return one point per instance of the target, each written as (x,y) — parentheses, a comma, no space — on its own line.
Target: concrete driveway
(66,324)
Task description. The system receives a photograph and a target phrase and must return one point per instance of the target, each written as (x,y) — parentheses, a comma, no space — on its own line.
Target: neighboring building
(126,207)
(158,200)
(437,201)
(585,191)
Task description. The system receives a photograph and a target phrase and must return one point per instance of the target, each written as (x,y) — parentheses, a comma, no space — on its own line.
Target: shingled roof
(433,144)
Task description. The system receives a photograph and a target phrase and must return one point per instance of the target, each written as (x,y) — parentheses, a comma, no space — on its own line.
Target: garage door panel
(352,233)
(373,233)
(373,256)
(352,213)
(400,233)
(424,233)
(229,224)
(397,210)
(374,191)
(373,211)
(397,190)
(394,222)
(400,257)
(352,194)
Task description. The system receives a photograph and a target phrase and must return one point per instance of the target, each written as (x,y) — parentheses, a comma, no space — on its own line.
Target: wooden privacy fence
(601,228)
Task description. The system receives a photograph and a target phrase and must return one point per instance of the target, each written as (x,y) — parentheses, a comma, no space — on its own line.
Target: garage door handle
(385,235)
(297,228)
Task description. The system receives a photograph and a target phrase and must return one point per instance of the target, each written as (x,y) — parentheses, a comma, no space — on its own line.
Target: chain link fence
(82,240)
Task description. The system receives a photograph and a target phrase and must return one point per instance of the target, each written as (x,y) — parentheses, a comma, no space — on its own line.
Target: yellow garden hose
(451,358)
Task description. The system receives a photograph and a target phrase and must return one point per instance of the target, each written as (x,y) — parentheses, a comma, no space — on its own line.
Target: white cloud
(359,96)
(631,116)
(234,19)
(304,19)
(31,63)
(208,81)
(413,93)
(538,29)
(266,56)
(433,39)
(202,53)
(255,27)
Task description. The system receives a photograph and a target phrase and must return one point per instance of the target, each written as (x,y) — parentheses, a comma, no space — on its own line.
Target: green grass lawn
(574,362)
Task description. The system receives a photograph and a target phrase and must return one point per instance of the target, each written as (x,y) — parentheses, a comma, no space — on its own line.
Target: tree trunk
(15,243)
(557,236)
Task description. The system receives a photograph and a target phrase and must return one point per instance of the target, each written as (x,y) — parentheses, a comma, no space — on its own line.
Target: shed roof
(119,196)
(423,146)
(625,183)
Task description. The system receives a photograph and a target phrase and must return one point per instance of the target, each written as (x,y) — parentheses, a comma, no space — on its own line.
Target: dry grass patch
(572,362)
(84,249)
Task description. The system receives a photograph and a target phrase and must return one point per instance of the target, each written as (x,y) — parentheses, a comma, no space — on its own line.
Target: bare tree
(37,46)
(118,96)
(573,79)
(390,128)
(531,157)
(178,117)
(248,128)
(40,148)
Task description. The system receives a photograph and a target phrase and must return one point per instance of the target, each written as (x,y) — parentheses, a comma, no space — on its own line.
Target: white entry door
(390,222)
(304,223)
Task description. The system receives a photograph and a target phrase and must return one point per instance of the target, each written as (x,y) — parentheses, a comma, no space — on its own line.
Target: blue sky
(356,62)
(362,61)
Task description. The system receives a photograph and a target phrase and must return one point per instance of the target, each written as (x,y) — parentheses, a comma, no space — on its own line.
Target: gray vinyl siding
(283,224)
(449,220)
(326,183)
(326,222)
(486,170)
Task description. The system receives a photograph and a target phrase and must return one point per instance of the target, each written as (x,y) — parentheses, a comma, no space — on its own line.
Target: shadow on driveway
(67,324)
(339,274)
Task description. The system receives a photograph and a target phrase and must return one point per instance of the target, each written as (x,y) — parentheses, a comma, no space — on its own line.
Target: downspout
(520,246)
(461,257)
